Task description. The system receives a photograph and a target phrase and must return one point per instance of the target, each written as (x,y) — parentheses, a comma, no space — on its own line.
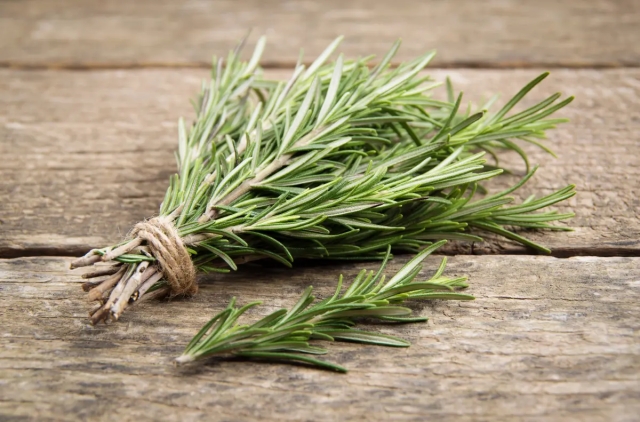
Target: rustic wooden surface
(88,154)
(546,339)
(491,33)
(85,154)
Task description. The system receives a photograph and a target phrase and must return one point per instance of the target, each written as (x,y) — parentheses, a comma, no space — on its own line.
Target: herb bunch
(340,161)
(284,335)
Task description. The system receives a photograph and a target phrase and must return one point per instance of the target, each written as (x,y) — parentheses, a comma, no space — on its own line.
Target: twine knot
(167,247)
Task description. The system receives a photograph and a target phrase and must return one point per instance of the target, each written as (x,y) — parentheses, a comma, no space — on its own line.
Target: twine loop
(167,247)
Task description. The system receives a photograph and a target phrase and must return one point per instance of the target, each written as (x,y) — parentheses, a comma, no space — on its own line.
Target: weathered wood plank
(546,339)
(186,33)
(85,155)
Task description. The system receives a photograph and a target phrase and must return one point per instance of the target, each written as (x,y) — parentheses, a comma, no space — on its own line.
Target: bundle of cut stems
(340,161)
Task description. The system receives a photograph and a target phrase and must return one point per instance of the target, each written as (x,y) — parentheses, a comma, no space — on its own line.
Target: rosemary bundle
(341,161)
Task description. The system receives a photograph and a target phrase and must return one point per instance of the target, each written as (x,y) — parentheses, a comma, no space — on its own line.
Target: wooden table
(90,93)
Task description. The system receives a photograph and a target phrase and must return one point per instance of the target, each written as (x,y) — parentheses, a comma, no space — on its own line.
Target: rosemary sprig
(285,335)
(340,161)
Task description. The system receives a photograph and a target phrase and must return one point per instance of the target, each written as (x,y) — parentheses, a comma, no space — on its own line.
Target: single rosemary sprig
(339,162)
(284,335)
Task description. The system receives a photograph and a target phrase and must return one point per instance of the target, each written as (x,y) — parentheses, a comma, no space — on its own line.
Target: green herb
(340,161)
(284,335)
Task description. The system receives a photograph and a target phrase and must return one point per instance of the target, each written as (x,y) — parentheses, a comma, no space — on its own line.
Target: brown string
(165,244)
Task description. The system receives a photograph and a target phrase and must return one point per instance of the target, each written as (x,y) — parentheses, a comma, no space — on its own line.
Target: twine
(174,261)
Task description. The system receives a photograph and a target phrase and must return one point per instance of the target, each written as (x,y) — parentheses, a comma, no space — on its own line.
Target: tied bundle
(343,161)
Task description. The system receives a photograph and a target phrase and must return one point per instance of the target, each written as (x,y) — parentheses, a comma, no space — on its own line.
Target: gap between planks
(269,65)
(562,253)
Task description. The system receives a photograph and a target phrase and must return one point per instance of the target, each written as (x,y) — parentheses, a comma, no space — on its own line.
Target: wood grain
(493,33)
(546,339)
(85,155)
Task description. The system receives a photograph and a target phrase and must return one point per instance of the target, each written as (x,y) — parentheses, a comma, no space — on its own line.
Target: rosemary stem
(112,269)
(123,249)
(132,285)
(97,292)
(245,187)
(156,294)
(175,213)
(184,359)
(147,284)
(194,239)
(259,177)
(115,293)
(89,258)
(98,314)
